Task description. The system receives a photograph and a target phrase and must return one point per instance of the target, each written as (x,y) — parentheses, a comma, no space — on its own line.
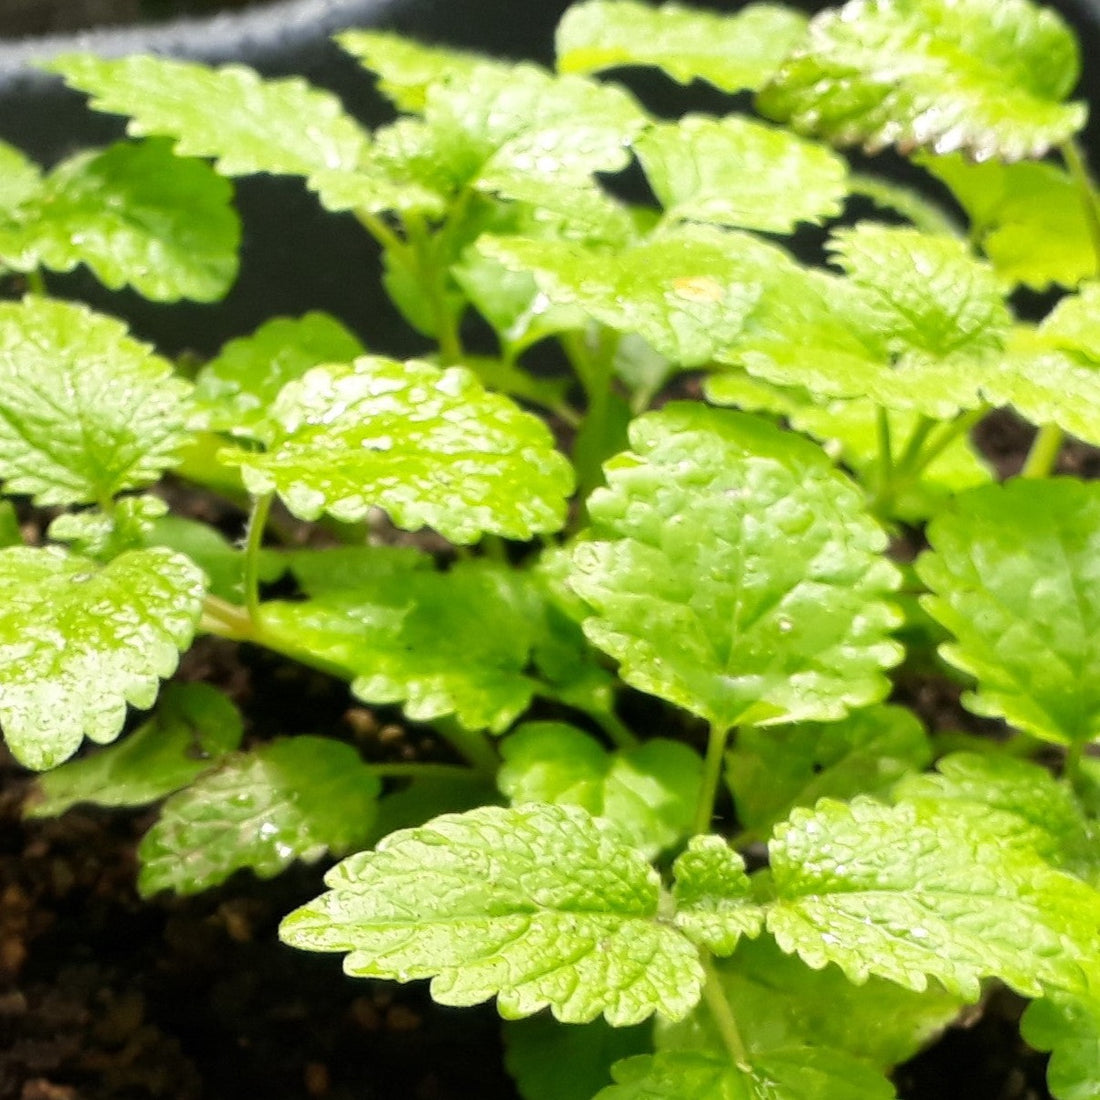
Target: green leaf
(79,641)
(457,643)
(551,1062)
(294,799)
(686,292)
(781,1004)
(85,411)
(1072,325)
(538,905)
(407,69)
(137,216)
(427,796)
(798,1072)
(771,771)
(1013,577)
(236,388)
(713,895)
(1028,791)
(733,53)
(910,893)
(193,726)
(104,535)
(10,532)
(987,77)
(733,571)
(1069,1027)
(284,126)
(430,446)
(1027,218)
(742,174)
(20,178)
(649,792)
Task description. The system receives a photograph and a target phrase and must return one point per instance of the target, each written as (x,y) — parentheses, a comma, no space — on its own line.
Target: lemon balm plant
(729,557)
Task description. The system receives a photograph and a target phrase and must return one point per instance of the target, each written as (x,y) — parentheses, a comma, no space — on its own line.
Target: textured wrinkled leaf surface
(193,726)
(550,1062)
(771,771)
(236,388)
(687,292)
(782,1004)
(456,643)
(432,447)
(1028,218)
(537,905)
(988,77)
(1014,574)
(284,126)
(714,898)
(293,799)
(136,215)
(648,791)
(1069,1027)
(733,571)
(798,1072)
(85,411)
(732,52)
(1064,836)
(103,535)
(911,894)
(79,641)
(742,174)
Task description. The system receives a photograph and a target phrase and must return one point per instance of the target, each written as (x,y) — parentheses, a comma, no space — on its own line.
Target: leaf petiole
(712,771)
(723,1017)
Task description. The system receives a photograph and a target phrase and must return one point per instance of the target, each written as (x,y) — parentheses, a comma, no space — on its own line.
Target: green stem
(257,523)
(474,746)
(885,448)
(610,723)
(910,456)
(387,238)
(712,772)
(431,276)
(1044,452)
(1072,767)
(949,432)
(1086,188)
(722,1014)
(36,282)
(226,620)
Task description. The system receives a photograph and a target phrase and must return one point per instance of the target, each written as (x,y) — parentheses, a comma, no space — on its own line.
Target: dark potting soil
(21,18)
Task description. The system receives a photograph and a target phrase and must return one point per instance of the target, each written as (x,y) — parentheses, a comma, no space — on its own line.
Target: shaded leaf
(193,726)
(1069,1027)
(236,388)
(293,799)
(771,771)
(649,792)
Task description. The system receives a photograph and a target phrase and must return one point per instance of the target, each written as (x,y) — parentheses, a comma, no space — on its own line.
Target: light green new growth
(432,447)
(289,800)
(86,411)
(714,898)
(1013,574)
(283,126)
(740,174)
(78,641)
(911,894)
(733,53)
(988,77)
(537,905)
(746,546)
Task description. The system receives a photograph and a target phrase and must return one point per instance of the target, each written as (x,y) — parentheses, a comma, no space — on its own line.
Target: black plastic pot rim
(226,36)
